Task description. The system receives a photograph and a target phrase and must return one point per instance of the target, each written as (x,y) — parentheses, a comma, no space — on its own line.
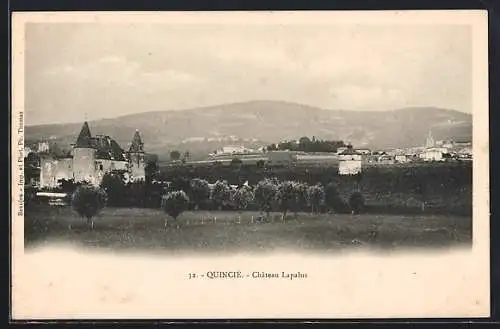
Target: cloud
(108,70)
(120,72)
(366,97)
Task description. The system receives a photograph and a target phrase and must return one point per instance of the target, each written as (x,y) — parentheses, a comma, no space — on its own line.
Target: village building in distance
(350,161)
(91,158)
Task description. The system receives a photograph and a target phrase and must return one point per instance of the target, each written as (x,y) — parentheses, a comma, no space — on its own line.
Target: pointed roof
(137,144)
(84,139)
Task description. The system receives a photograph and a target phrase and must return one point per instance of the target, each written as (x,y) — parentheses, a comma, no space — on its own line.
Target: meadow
(136,229)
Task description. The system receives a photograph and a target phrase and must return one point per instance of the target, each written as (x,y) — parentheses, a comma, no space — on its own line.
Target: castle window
(101,167)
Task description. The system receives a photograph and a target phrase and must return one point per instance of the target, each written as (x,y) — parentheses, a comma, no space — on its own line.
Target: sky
(77,71)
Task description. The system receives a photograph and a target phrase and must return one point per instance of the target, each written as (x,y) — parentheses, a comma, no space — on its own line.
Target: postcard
(250,165)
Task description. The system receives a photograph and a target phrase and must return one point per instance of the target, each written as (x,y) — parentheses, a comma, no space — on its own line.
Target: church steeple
(84,138)
(137,145)
(429,142)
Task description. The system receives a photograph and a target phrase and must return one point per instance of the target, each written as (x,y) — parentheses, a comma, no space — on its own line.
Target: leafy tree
(301,196)
(154,193)
(304,142)
(286,196)
(333,199)
(200,191)
(175,155)
(241,198)
(29,194)
(67,185)
(316,196)
(55,149)
(221,193)
(151,171)
(137,193)
(307,145)
(88,201)
(264,194)
(33,158)
(356,202)
(113,183)
(174,204)
(272,147)
(180,183)
(236,161)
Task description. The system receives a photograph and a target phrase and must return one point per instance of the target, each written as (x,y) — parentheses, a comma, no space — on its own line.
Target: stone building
(350,162)
(92,157)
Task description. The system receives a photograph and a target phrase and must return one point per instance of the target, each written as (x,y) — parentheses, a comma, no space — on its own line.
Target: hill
(271,121)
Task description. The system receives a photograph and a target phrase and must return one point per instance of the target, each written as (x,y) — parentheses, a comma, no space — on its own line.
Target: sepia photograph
(250,165)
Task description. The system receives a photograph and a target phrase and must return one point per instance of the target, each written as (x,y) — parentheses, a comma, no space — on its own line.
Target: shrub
(87,201)
(356,202)
(174,204)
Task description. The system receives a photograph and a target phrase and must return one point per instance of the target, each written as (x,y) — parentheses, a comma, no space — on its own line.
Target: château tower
(136,158)
(84,156)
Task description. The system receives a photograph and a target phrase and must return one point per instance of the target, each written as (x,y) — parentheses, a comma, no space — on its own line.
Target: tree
(180,183)
(175,155)
(301,196)
(264,194)
(221,194)
(272,147)
(241,198)
(137,193)
(151,171)
(67,185)
(55,150)
(333,199)
(174,204)
(286,196)
(88,201)
(235,161)
(356,202)
(315,195)
(113,183)
(200,191)
(304,143)
(33,159)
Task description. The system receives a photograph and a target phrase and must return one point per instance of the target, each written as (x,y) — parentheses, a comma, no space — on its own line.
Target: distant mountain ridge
(272,121)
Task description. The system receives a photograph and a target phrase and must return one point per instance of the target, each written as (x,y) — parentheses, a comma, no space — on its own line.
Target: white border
(453,284)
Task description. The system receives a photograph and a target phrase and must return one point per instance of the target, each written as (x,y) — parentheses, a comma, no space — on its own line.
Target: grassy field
(143,229)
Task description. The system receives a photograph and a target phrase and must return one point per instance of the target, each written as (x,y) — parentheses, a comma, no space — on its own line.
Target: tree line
(306,144)
(438,188)
(268,195)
